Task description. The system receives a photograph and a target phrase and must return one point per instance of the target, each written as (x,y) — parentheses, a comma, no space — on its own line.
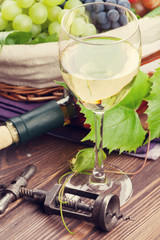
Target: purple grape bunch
(108,17)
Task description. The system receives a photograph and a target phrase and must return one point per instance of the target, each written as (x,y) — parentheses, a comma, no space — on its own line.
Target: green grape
(3,23)
(53,3)
(78,27)
(75,3)
(53,13)
(35,30)
(5,1)
(22,22)
(2,3)
(72,3)
(25,3)
(38,13)
(10,10)
(90,30)
(61,14)
(54,27)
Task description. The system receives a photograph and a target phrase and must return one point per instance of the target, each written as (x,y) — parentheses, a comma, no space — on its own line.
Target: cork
(5,137)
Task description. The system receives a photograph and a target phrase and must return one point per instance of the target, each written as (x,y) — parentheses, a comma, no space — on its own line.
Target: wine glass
(99,56)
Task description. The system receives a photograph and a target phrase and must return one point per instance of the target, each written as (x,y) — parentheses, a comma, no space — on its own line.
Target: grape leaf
(61,84)
(123,130)
(39,39)
(122,126)
(85,160)
(153,13)
(17,37)
(89,116)
(155,79)
(153,110)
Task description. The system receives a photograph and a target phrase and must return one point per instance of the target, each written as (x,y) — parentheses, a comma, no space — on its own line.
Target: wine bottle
(34,123)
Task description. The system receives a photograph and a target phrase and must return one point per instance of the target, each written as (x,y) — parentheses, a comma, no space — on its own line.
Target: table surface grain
(25,220)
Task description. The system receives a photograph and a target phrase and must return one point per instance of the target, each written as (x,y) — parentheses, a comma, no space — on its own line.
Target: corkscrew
(104,212)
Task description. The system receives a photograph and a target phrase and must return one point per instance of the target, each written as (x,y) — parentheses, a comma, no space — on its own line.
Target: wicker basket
(28,72)
(29,94)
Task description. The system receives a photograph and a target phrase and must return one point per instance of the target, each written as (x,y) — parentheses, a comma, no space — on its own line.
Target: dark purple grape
(89,8)
(106,26)
(124,3)
(98,7)
(109,7)
(107,17)
(113,15)
(115,25)
(102,17)
(123,19)
(93,17)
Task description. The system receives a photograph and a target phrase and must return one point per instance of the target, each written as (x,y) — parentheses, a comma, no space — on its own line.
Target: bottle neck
(38,121)
(67,106)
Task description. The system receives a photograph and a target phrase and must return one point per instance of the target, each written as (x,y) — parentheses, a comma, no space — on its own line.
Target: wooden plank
(25,220)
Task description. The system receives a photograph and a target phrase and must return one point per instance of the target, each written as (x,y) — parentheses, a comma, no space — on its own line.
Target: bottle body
(35,123)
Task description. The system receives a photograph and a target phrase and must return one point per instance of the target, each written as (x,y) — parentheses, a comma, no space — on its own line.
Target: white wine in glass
(99,63)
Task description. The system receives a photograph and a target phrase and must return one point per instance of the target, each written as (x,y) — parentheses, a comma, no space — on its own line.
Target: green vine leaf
(17,37)
(153,13)
(89,116)
(123,130)
(61,84)
(85,160)
(122,126)
(153,110)
(155,79)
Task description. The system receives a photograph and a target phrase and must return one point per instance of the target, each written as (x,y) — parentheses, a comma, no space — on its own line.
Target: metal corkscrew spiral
(75,205)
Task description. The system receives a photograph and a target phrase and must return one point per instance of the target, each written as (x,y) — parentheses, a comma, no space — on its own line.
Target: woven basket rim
(30,94)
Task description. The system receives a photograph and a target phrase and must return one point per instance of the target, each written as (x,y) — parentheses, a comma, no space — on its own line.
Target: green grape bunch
(40,17)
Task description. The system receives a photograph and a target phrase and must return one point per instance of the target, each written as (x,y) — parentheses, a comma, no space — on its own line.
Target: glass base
(119,184)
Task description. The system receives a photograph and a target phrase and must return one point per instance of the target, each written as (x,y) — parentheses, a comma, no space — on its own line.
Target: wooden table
(25,220)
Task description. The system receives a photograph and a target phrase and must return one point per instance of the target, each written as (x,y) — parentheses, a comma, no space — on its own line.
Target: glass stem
(98,174)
